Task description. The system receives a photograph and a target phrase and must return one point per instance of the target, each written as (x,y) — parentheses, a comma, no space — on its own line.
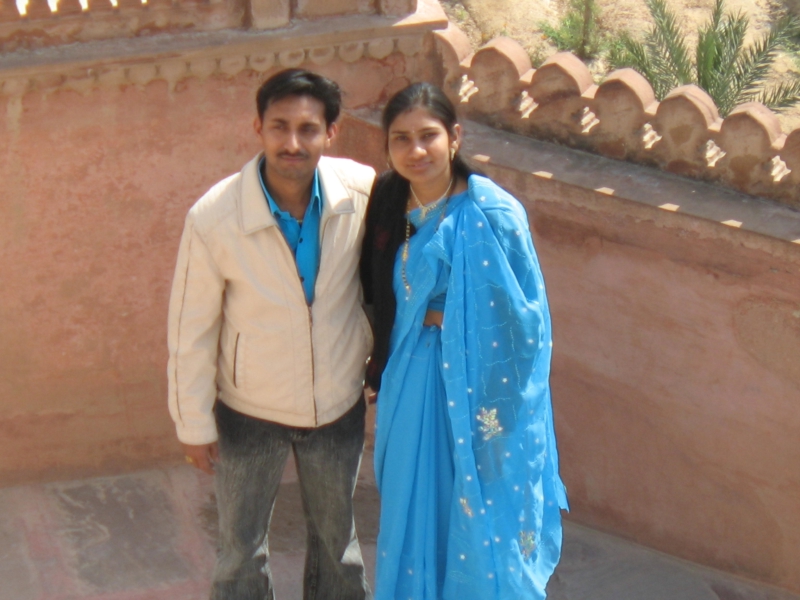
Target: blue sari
(465,450)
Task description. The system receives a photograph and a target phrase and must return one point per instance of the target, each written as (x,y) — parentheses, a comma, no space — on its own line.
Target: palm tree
(727,70)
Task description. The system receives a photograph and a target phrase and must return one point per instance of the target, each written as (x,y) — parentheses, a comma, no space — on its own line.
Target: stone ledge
(731,211)
(120,60)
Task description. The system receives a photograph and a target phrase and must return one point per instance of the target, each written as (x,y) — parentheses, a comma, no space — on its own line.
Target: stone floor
(150,536)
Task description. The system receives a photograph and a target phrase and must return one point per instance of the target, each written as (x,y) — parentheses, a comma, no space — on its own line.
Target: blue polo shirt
(302,236)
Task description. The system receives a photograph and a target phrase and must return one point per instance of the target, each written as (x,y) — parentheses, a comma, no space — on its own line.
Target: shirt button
(302,278)
(300,241)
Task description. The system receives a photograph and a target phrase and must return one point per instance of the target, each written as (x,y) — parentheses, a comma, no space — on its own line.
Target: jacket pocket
(266,371)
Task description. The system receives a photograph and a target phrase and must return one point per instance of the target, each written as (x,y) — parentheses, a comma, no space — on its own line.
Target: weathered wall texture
(676,380)
(99,162)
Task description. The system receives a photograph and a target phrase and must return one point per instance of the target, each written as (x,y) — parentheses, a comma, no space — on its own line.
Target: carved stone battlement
(621,118)
(29,24)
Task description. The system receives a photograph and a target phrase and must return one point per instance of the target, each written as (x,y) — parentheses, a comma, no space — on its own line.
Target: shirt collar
(316,194)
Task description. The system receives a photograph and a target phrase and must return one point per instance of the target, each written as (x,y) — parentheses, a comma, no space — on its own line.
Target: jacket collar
(254,213)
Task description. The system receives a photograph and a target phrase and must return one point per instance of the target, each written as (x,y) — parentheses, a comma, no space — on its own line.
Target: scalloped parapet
(36,25)
(624,104)
(491,79)
(620,118)
(554,98)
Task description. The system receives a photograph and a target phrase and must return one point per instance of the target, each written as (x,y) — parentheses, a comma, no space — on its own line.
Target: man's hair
(299,82)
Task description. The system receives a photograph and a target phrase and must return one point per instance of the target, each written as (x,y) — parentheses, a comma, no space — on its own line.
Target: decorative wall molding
(223,62)
(173,58)
(620,118)
(43,23)
(86,20)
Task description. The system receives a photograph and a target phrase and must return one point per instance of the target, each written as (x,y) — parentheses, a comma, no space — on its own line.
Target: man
(268,342)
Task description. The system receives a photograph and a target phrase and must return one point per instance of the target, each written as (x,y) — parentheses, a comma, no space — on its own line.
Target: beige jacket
(239,325)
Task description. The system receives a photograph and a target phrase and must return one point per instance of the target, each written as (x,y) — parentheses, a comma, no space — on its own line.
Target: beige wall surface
(95,188)
(676,385)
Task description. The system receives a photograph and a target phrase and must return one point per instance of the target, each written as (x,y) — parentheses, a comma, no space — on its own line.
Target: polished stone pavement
(150,536)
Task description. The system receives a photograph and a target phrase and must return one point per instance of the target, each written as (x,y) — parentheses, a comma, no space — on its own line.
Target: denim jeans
(253,454)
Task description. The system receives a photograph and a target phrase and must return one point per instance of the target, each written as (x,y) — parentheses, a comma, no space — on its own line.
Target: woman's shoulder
(495,202)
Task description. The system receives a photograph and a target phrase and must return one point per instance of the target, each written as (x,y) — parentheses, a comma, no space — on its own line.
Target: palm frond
(755,62)
(732,33)
(783,95)
(708,50)
(628,52)
(665,41)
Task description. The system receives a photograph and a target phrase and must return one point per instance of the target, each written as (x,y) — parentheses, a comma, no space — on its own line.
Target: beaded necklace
(425,209)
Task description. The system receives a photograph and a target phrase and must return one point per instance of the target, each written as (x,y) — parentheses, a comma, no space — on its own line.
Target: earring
(452,153)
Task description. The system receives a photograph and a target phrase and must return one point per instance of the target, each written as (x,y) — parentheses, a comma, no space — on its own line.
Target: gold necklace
(424,209)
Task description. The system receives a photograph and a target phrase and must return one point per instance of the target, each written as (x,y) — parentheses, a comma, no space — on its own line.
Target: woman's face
(419,147)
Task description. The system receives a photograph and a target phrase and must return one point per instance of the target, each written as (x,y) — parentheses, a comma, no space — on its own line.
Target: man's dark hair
(299,82)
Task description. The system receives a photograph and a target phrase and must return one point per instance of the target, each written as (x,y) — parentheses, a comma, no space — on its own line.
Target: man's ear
(332,132)
(257,124)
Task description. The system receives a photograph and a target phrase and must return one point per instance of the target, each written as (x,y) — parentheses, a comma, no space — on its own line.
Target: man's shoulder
(352,174)
(217,204)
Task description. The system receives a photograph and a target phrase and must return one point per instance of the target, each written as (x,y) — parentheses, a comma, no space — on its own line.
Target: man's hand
(202,456)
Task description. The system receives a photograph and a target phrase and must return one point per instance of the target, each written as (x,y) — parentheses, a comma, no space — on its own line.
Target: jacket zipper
(323,225)
(313,377)
(308,307)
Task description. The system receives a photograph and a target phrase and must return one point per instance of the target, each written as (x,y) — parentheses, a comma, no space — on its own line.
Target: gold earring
(452,153)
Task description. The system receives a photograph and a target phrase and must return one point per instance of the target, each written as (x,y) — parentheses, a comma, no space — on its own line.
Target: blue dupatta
(489,494)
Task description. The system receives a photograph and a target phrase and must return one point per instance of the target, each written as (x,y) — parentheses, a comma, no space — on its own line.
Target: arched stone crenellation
(620,117)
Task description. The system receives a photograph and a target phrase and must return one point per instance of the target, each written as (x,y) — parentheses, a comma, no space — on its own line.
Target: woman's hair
(386,218)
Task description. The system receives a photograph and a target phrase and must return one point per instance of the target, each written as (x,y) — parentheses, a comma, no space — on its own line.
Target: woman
(465,453)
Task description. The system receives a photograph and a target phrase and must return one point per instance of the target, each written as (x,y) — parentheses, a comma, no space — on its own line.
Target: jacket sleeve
(195,318)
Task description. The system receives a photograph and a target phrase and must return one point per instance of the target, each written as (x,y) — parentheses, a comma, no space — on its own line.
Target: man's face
(294,135)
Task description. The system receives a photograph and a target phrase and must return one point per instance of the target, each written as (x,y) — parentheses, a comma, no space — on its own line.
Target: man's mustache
(293,155)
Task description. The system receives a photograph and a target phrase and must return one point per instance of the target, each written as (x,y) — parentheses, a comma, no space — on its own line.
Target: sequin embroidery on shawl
(465,451)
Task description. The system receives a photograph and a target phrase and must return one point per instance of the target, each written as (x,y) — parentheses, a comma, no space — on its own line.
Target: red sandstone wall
(677,384)
(94,191)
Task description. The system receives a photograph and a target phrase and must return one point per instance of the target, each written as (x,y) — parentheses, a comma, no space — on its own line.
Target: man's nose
(292,142)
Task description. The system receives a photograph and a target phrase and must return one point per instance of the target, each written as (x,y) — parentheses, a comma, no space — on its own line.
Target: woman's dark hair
(299,82)
(386,219)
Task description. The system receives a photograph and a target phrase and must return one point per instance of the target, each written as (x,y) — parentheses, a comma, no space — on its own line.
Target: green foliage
(727,70)
(578,31)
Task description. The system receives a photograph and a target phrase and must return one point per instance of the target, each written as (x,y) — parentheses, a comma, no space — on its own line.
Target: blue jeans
(253,454)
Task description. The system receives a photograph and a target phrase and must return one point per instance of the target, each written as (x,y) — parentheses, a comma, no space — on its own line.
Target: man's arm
(195,318)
